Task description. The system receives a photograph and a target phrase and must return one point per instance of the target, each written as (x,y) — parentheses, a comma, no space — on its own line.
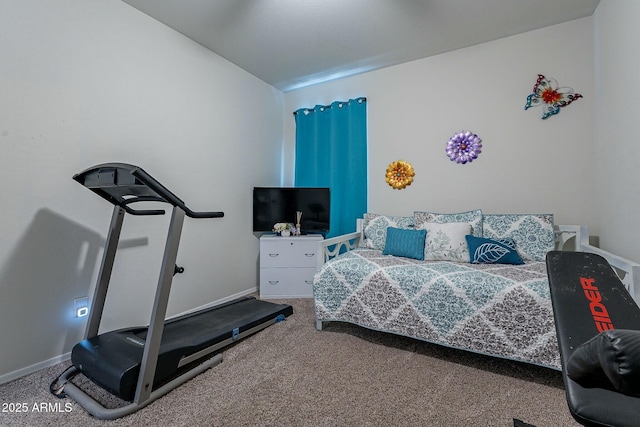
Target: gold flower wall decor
(399,174)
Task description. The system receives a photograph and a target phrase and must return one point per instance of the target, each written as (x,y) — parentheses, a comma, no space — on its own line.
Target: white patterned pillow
(446,242)
(533,233)
(375,228)
(472,217)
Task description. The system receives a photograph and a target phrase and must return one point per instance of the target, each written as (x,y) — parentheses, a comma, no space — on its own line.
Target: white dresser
(287,265)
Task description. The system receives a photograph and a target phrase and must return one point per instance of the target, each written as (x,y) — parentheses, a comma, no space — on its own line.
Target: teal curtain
(331,151)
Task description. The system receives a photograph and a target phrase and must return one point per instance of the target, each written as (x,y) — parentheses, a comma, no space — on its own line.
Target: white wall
(527,164)
(88,82)
(617,48)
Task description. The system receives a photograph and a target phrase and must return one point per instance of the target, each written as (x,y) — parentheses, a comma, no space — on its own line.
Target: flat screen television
(279,204)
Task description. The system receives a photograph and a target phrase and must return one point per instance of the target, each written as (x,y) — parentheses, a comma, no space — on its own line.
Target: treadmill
(141,364)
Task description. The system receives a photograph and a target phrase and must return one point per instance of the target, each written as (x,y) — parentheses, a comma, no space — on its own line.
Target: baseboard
(11,376)
(218,302)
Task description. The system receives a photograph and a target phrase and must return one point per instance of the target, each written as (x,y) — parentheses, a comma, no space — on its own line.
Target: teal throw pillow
(405,243)
(492,251)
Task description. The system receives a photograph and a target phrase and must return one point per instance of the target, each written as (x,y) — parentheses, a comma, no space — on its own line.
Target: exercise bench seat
(598,329)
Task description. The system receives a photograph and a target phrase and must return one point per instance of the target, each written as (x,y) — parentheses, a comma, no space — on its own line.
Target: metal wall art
(464,147)
(399,174)
(550,97)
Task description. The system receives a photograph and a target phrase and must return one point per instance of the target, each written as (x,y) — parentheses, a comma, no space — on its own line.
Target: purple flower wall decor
(464,147)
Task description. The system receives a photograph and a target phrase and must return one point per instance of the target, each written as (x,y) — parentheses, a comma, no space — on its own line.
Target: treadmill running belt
(112,360)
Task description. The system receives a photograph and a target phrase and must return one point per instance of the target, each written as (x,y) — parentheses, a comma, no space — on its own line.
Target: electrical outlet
(81,307)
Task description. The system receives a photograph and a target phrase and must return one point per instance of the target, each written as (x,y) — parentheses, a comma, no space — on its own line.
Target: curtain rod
(339,103)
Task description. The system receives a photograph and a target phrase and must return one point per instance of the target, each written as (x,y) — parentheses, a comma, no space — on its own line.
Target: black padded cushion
(611,358)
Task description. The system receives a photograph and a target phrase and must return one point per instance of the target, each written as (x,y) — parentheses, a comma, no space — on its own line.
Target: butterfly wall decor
(550,97)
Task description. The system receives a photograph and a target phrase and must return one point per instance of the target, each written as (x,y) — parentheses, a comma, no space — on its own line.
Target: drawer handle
(309,282)
(273,255)
(309,255)
(273,282)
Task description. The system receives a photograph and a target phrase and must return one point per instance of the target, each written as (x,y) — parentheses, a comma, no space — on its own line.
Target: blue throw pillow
(492,251)
(405,243)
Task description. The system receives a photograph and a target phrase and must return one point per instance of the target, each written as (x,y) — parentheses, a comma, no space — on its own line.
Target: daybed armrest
(332,246)
(628,271)
(564,233)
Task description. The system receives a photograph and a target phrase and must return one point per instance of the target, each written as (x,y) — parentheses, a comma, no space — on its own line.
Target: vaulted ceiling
(295,43)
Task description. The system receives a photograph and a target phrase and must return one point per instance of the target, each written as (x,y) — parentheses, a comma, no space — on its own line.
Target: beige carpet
(292,375)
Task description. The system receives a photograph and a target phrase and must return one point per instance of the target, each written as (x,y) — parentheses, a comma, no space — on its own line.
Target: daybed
(481,287)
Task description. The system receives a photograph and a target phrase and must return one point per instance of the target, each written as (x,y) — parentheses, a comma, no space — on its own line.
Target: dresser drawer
(289,253)
(286,282)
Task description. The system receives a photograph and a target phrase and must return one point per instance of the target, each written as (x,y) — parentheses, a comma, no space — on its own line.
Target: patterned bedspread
(495,309)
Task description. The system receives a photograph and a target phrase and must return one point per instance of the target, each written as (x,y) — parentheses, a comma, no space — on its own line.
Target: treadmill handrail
(123,184)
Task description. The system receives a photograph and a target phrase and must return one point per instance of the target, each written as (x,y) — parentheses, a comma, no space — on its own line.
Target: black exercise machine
(143,363)
(598,330)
